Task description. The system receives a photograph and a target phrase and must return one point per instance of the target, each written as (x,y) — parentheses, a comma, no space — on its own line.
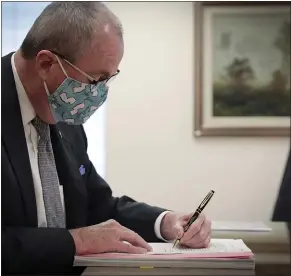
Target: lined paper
(215,246)
(217,249)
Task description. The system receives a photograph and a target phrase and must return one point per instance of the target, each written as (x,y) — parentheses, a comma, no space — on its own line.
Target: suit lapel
(75,192)
(13,137)
(14,140)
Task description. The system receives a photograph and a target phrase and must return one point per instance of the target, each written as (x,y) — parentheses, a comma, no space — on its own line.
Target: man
(282,210)
(54,204)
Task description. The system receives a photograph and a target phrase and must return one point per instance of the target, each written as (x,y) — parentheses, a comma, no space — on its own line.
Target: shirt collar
(27,111)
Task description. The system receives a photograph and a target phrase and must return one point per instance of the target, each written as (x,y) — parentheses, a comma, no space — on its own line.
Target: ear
(45,63)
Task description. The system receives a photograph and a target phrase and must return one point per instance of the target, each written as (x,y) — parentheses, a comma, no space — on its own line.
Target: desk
(273,264)
(266,265)
(271,250)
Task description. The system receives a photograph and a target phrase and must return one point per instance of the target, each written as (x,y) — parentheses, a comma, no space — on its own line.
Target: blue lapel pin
(82,170)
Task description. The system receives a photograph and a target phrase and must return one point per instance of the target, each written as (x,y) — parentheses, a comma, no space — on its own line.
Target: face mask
(74,102)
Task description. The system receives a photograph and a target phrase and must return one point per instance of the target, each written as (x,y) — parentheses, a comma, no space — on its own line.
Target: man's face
(100,62)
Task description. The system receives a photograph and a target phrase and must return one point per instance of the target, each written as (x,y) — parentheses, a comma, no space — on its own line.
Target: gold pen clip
(205,201)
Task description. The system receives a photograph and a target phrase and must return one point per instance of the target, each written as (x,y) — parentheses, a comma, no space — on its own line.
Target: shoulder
(6,60)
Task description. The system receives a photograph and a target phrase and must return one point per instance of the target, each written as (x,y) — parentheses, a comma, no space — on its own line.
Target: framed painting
(242,69)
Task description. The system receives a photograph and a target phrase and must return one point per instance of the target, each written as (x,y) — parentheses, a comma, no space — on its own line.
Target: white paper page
(255,226)
(215,246)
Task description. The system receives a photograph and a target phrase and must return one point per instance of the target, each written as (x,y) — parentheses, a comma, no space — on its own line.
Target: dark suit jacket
(282,211)
(88,199)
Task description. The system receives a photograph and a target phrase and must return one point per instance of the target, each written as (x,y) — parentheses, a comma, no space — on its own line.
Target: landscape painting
(251,65)
(246,69)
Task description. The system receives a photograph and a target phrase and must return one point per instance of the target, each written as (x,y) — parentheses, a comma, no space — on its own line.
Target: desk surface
(279,234)
(275,241)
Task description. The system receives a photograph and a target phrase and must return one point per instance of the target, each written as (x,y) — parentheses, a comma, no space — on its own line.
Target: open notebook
(218,248)
(222,257)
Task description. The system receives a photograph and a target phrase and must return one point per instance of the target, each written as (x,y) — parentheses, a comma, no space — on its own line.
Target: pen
(196,214)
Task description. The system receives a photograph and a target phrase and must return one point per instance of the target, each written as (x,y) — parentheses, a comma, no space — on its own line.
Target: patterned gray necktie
(49,178)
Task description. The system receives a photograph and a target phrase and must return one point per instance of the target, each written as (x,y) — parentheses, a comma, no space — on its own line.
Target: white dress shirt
(31,136)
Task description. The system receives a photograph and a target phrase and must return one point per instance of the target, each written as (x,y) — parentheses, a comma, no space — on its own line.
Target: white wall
(95,131)
(152,154)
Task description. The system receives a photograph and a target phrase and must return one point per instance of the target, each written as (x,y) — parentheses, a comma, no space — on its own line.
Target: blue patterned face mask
(74,102)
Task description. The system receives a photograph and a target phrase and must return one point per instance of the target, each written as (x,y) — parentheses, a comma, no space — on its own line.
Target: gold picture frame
(212,113)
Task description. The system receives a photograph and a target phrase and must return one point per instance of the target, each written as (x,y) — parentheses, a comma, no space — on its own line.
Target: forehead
(104,55)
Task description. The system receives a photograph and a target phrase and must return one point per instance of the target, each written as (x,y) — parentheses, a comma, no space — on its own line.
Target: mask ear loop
(62,67)
(79,70)
(64,71)
(46,89)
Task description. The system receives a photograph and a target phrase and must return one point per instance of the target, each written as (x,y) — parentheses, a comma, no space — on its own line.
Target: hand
(109,236)
(197,236)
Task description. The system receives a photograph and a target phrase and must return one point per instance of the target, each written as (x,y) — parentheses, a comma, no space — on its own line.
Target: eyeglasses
(106,81)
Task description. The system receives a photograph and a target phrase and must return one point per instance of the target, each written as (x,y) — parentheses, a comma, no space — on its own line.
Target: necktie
(49,178)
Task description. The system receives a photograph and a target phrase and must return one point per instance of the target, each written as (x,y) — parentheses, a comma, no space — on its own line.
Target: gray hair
(67,28)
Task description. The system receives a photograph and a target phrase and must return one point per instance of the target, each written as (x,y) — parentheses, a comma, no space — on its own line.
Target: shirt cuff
(158,225)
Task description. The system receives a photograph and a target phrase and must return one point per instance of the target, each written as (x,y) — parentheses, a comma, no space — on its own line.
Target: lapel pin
(82,170)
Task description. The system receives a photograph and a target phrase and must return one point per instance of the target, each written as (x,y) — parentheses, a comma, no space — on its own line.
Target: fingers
(134,239)
(198,235)
(129,248)
(179,231)
(186,217)
(193,229)
(202,239)
(111,223)
(129,236)
(203,244)
(108,236)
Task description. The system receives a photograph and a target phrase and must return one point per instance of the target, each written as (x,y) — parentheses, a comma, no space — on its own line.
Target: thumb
(178,230)
(186,217)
